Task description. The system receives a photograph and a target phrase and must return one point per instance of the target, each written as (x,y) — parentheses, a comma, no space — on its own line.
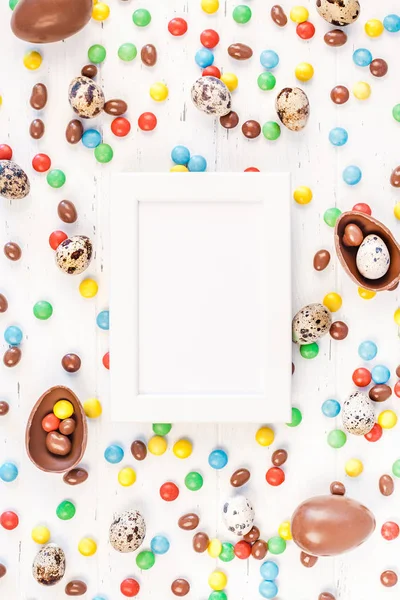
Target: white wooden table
(312,464)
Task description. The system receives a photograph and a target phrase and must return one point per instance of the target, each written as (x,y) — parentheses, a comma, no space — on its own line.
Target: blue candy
(269,570)
(269,59)
(367,350)
(103,320)
(331,408)
(91,138)
(159,544)
(268,589)
(13,335)
(8,472)
(113,454)
(180,155)
(218,459)
(362,57)
(352,175)
(380,374)
(204,58)
(392,23)
(338,136)
(197,164)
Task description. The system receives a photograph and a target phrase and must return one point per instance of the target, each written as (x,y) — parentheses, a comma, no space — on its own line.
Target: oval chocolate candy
(240,477)
(279,457)
(148,54)
(200,542)
(386,485)
(67,212)
(307,560)
(12,356)
(139,450)
(180,587)
(36,129)
(278,15)
(259,549)
(38,97)
(67,426)
(89,71)
(3,303)
(251,129)
(230,120)
(337,488)
(74,131)
(4,408)
(115,107)
(380,392)
(338,330)
(71,363)
(12,251)
(335,37)
(76,588)
(189,521)
(57,443)
(240,51)
(253,535)
(75,476)
(321,259)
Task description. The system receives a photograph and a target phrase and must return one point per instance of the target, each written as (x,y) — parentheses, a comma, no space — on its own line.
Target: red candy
(9,520)
(396,389)
(41,163)
(169,491)
(361,377)
(375,434)
(242,549)
(56,238)
(5,152)
(209,38)
(50,422)
(147,121)
(177,26)
(129,587)
(390,531)
(212,72)
(120,127)
(362,207)
(106,360)
(252,170)
(275,476)
(305,30)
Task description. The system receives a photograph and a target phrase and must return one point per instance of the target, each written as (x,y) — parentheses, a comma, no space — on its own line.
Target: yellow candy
(366,294)
(179,169)
(302,195)
(230,80)
(100,11)
(304,71)
(88,288)
(265,436)
(396,210)
(92,408)
(40,534)
(387,419)
(63,409)
(159,92)
(284,531)
(32,60)
(396,317)
(157,445)
(1,100)
(362,90)
(217,581)
(214,548)
(299,14)
(126,477)
(374,27)
(87,547)
(210,6)
(354,467)
(332,301)
(182,449)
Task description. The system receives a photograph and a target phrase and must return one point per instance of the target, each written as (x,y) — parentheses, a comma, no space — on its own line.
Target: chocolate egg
(259,549)
(337,488)
(380,392)
(89,71)
(352,236)
(278,15)
(67,212)
(293,108)
(12,251)
(188,522)
(57,443)
(76,588)
(3,303)
(37,129)
(75,476)
(331,525)
(335,38)
(307,560)
(74,131)
(211,96)
(279,457)
(138,450)
(200,542)
(240,51)
(14,182)
(74,254)
(35,438)
(12,356)
(115,107)
(67,426)
(240,477)
(148,54)
(386,485)
(358,415)
(321,260)
(38,99)
(252,535)
(85,97)
(310,323)
(127,531)
(339,12)
(238,515)
(49,565)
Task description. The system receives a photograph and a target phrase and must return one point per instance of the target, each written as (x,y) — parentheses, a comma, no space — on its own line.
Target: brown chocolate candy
(89,71)
(230,120)
(378,67)
(389,578)
(139,450)
(76,588)
(321,260)
(278,15)
(75,476)
(338,330)
(4,408)
(293,368)
(3,304)
(240,477)
(59,444)
(386,485)
(3,570)
(12,251)
(253,535)
(353,236)
(115,107)
(326,596)
(398,371)
(74,131)
(240,51)
(251,129)
(67,426)
(189,522)
(395,177)
(335,37)
(36,129)
(12,356)
(340,94)
(180,587)
(259,549)
(337,488)
(279,457)
(307,560)
(380,392)
(38,97)
(148,54)
(200,542)
(67,212)
(71,363)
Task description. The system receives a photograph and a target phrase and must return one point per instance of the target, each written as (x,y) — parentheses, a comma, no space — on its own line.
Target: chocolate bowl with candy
(56,444)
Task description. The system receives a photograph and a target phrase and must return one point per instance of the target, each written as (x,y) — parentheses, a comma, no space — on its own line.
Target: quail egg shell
(14,182)
(373,258)
(238,514)
(49,565)
(85,97)
(339,12)
(293,108)
(310,323)
(211,96)
(74,254)
(358,414)
(127,531)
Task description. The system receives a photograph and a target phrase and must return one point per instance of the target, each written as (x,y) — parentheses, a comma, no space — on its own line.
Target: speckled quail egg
(293,108)
(358,414)
(310,323)
(339,12)
(49,565)
(211,96)
(85,97)
(74,254)
(127,531)
(373,258)
(238,515)
(14,182)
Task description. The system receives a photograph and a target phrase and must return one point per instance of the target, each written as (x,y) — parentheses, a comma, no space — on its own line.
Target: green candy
(331,216)
(396,112)
(227,554)
(194,481)
(43,310)
(145,560)
(337,438)
(66,510)
(396,468)
(271,130)
(266,81)
(12,4)
(141,17)
(162,428)
(276,545)
(103,153)
(56,178)
(242,14)
(127,52)
(297,418)
(218,595)
(97,54)
(309,350)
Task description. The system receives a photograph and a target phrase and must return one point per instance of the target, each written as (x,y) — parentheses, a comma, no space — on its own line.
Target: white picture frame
(200,302)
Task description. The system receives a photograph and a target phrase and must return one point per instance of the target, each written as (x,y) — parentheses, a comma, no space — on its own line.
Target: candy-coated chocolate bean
(50,422)
(12,251)
(253,535)
(148,54)
(240,51)
(189,522)
(240,477)
(278,15)
(36,129)
(259,549)
(353,236)
(340,94)
(307,560)
(380,392)
(395,177)
(326,596)
(337,488)
(75,476)
(279,457)
(89,71)
(12,356)
(335,37)
(38,97)
(74,131)
(180,587)
(3,303)
(229,121)
(71,363)
(59,444)
(115,107)
(76,588)
(200,542)
(321,260)
(251,129)
(139,450)
(338,330)
(4,408)
(389,578)
(67,212)
(378,67)
(386,485)
(67,426)
(3,570)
